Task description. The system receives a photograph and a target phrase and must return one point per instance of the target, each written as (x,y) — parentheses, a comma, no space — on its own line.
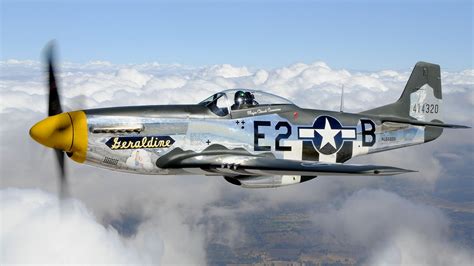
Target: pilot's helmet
(240,98)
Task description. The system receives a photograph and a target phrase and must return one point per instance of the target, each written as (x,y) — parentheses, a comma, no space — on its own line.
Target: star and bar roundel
(327,134)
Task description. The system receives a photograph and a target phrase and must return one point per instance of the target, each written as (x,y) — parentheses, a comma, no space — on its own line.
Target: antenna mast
(342,99)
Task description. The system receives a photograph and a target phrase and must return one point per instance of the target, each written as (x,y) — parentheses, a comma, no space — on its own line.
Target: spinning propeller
(54,108)
(64,132)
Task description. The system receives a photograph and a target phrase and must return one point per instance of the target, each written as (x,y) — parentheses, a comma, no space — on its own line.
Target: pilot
(243,100)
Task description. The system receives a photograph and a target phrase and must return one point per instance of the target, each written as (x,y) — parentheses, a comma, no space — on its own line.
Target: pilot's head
(240,98)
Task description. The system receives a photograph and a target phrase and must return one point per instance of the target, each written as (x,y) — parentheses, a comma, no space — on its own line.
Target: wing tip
(392,171)
(454,126)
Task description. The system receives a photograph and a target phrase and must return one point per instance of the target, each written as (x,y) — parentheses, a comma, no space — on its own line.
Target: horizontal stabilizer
(420,123)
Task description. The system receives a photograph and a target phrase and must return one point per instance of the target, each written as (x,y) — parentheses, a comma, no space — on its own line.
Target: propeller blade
(54,104)
(54,108)
(63,184)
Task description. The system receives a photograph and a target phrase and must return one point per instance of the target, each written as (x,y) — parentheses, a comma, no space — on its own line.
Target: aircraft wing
(235,163)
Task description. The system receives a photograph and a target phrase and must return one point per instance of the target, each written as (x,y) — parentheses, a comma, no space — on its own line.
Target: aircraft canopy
(239,99)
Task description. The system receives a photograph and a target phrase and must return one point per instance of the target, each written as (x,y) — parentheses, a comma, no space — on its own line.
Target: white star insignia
(328,134)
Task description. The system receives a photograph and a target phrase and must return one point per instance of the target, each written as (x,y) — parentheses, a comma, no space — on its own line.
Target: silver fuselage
(132,139)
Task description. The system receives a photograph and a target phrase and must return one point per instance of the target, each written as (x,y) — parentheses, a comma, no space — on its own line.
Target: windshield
(211,99)
(217,103)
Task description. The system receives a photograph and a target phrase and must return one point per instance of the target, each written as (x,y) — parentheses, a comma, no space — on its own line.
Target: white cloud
(308,85)
(395,230)
(421,248)
(226,71)
(130,74)
(36,229)
(166,82)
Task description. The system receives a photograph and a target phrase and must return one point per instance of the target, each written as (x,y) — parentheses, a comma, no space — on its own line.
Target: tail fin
(421,100)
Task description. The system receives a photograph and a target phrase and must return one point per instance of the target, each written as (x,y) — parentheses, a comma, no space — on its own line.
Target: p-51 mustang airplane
(252,138)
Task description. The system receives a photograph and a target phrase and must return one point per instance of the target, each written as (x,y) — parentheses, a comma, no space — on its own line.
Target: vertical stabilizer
(421,99)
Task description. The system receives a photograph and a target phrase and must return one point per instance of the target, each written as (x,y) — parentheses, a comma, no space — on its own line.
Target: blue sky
(363,35)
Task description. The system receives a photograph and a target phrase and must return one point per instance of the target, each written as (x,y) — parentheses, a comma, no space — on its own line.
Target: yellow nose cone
(54,132)
(65,131)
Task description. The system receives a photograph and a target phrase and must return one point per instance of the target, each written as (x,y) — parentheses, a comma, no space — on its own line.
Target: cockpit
(241,99)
